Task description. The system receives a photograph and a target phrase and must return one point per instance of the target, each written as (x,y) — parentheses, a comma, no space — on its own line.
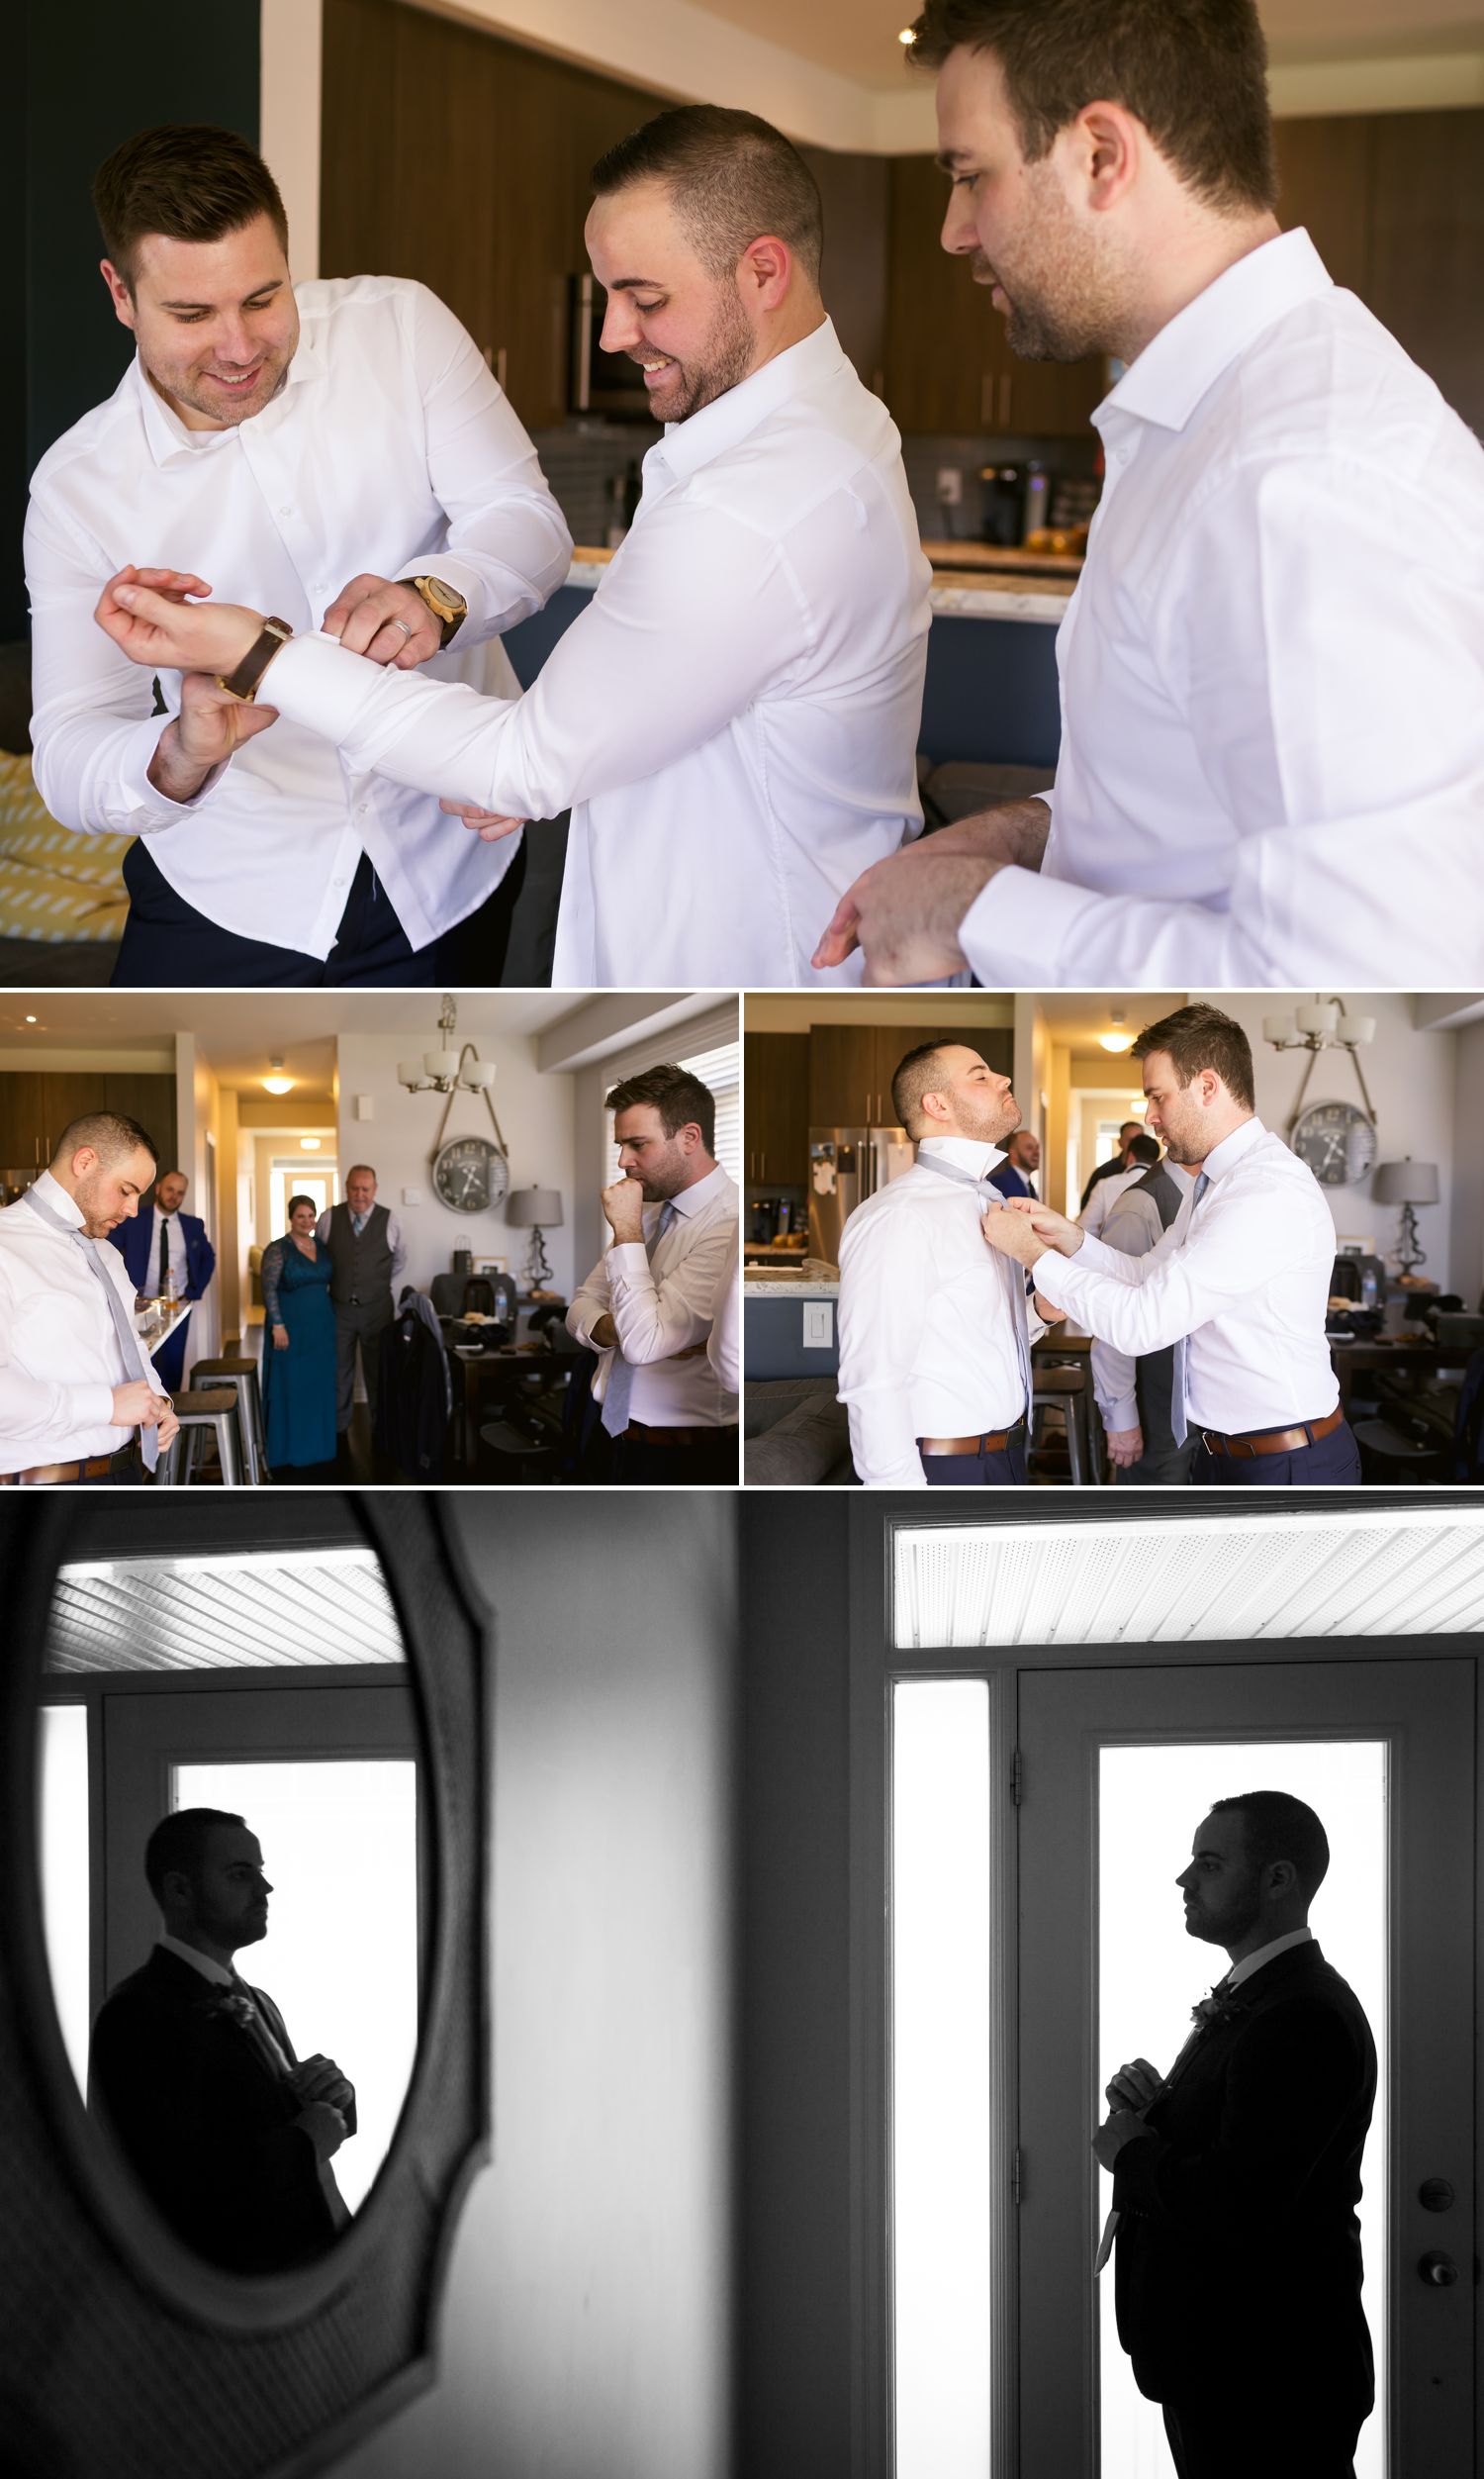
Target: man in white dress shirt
(1272,669)
(734,721)
(1240,1282)
(341,455)
(76,1386)
(934,1342)
(649,1306)
(1144,1153)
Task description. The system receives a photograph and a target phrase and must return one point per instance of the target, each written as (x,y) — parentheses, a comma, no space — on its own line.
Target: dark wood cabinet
(776,1108)
(850,1066)
(37,1106)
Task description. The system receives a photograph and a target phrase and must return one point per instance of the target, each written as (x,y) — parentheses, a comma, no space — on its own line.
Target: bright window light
(940,2098)
(64,1869)
(1151,1973)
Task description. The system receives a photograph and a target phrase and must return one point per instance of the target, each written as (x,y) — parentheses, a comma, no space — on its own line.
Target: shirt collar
(52,1192)
(699,1192)
(206,1964)
(687,446)
(169,440)
(1244,1970)
(1220,1159)
(1193,348)
(966,1151)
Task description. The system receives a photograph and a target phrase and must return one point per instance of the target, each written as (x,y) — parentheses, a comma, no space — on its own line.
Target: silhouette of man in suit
(1236,2176)
(194,2071)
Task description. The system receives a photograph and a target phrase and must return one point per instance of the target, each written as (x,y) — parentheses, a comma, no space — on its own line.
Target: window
(709,1048)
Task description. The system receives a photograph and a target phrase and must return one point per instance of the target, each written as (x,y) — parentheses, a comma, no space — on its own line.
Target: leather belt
(988,1442)
(57,1475)
(1271,1440)
(651,1436)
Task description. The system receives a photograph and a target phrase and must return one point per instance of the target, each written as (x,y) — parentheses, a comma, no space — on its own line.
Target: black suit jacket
(207,2123)
(1239,2230)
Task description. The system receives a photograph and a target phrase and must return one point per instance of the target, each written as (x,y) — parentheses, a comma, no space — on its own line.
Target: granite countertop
(811,1278)
(992,592)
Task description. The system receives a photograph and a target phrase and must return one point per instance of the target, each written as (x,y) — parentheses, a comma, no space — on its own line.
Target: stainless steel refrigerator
(846,1166)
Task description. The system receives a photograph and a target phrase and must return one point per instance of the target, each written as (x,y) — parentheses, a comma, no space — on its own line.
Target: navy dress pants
(1332,1463)
(168,945)
(1005,1471)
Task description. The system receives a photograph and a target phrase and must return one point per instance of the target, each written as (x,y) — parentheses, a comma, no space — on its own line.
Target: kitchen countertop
(993,591)
(812,1278)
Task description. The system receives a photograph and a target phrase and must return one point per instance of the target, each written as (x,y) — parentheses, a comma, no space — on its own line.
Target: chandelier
(450,1071)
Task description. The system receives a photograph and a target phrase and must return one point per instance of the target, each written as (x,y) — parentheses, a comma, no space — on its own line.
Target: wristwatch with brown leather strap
(244,681)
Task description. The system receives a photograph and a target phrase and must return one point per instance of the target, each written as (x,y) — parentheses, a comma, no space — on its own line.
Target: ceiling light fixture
(276,1082)
(1119,1039)
(310,1144)
(451,1070)
(906,36)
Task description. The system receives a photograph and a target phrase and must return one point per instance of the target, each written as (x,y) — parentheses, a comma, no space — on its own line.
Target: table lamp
(1407,1184)
(535,1209)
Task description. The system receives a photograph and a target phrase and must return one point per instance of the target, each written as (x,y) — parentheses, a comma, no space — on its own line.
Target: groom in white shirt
(935,1367)
(1270,671)
(1240,1282)
(339,450)
(734,719)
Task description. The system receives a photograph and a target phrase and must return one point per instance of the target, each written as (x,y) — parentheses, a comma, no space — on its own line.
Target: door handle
(1438,2269)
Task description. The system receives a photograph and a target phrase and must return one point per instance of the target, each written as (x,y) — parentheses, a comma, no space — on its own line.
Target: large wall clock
(1336,1140)
(470,1173)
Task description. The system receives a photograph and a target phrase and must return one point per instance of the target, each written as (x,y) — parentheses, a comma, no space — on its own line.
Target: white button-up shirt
(1245,1275)
(927,1331)
(390,451)
(1105,1196)
(1134,1228)
(59,1356)
(733,723)
(662,1296)
(1272,668)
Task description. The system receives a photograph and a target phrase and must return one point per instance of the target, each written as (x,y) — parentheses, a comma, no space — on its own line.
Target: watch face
(1338,1142)
(471,1175)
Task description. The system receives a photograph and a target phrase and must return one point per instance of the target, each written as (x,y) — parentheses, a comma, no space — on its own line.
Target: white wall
(1412,1077)
(586,2323)
(535,1113)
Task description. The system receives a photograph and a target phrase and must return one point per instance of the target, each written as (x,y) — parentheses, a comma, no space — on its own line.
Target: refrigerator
(846,1166)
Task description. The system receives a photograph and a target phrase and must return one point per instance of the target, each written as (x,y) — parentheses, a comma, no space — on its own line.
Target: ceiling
(858,39)
(1074,1019)
(308,1609)
(1191,1578)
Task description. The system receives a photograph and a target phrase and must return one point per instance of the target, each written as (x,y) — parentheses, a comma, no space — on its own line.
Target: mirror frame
(134,2354)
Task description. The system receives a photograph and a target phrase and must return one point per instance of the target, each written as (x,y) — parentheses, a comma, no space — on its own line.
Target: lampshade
(479,1071)
(441,1062)
(531,1208)
(1406,1183)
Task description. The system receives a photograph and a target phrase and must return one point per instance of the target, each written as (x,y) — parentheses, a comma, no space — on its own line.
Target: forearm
(1114,1386)
(34,1410)
(591,1307)
(656,1320)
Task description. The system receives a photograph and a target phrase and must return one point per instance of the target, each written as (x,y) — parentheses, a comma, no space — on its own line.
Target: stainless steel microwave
(599,382)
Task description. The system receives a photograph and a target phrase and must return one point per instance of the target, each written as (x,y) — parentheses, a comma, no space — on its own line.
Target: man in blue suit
(160,1239)
(1015,1176)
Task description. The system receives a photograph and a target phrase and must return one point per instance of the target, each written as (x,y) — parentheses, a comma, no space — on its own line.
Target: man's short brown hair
(732,178)
(112,1137)
(918,1073)
(680,1098)
(1200,1037)
(189,180)
(1193,71)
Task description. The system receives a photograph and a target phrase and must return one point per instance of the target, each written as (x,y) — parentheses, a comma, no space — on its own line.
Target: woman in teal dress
(298,1361)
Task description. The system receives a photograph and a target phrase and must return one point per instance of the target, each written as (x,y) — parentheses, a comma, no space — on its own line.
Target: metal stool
(214,1409)
(1064,1390)
(230,1369)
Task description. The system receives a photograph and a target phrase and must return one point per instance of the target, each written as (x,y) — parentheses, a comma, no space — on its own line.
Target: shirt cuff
(315,681)
(92,1406)
(628,1258)
(1119,1415)
(1023,914)
(157,809)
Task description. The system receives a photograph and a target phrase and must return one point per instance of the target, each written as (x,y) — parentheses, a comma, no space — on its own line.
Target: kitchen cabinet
(851,1067)
(776,1108)
(35,1108)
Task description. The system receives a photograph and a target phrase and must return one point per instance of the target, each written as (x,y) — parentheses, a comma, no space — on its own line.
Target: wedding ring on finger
(406,631)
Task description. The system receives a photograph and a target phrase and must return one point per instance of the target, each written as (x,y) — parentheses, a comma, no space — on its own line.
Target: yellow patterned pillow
(53,885)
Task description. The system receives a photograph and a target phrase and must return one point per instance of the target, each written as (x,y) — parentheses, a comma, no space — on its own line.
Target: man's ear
(119,293)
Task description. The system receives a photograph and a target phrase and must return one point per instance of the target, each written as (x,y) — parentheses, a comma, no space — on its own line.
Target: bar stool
(214,1409)
(233,1369)
(1064,1390)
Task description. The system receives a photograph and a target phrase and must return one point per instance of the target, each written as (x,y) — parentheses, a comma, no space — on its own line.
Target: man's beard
(726,360)
(1061,308)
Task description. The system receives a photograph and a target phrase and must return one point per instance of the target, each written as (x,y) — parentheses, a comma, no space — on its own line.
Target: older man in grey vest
(367,1255)
(1133,1395)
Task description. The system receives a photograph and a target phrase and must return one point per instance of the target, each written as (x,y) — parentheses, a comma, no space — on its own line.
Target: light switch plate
(818,1326)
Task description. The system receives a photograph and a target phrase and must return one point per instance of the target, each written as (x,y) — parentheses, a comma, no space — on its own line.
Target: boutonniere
(1220,2004)
(233,2007)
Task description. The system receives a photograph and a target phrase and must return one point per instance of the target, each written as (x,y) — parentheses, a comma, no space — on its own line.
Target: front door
(1118,1768)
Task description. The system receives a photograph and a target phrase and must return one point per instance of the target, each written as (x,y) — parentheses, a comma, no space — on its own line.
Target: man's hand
(386,621)
(1125,1446)
(1120,2126)
(1051,1228)
(487,824)
(167,1426)
(1046,1312)
(1013,1236)
(210,727)
(280,1338)
(605,1334)
(146,613)
(137,1406)
(320,2078)
(325,2127)
(624,1204)
(1137,2086)
(905,911)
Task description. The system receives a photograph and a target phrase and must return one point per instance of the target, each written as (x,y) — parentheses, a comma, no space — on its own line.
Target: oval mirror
(235,1878)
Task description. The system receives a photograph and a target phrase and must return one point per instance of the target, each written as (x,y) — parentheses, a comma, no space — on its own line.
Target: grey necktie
(1177,1415)
(122,1325)
(1012,1275)
(620,1390)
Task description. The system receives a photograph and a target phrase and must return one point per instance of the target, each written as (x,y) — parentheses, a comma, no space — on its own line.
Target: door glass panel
(63,1806)
(339,1844)
(1151,1973)
(940,2096)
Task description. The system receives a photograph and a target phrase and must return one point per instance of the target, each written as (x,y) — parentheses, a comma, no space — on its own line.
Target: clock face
(1338,1142)
(471,1175)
